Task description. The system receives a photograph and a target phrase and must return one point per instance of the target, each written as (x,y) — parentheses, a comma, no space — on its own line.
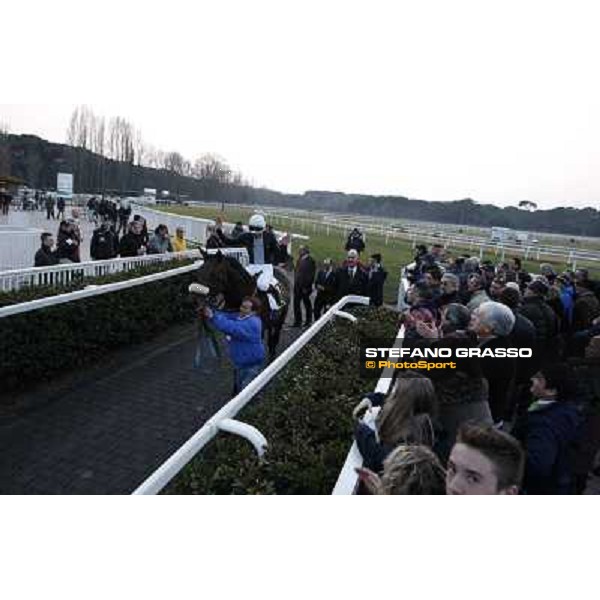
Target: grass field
(329,243)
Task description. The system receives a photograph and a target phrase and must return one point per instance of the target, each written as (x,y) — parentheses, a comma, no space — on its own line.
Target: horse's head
(227,281)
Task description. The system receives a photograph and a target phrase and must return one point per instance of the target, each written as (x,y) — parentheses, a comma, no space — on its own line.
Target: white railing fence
(224,420)
(347,483)
(339,224)
(94,290)
(64,274)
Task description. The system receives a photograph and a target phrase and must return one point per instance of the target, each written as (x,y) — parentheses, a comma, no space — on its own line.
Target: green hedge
(306,416)
(36,346)
(28,294)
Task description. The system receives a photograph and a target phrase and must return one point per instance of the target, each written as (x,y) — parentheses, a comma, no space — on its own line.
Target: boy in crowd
(484,461)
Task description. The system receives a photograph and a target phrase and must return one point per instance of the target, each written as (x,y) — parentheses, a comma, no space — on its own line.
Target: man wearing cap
(351,279)
(376,280)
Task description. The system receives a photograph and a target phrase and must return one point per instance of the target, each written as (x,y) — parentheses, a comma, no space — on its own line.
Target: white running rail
(174,465)
(93,290)
(65,274)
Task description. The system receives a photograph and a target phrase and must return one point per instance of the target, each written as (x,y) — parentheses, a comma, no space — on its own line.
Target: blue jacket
(548,434)
(246,347)
(567,297)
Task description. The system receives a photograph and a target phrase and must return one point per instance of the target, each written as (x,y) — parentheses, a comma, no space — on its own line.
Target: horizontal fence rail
(93,290)
(58,275)
(414,233)
(174,465)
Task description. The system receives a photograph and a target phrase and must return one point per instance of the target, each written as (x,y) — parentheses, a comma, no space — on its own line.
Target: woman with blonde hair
(407,417)
(407,471)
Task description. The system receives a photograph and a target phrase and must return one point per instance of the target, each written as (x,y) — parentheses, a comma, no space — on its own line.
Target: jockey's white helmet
(258,223)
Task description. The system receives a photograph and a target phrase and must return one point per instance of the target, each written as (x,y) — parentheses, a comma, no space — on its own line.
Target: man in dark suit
(326,287)
(377,276)
(351,278)
(303,286)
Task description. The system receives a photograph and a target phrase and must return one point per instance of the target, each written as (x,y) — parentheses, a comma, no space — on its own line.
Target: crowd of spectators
(116,235)
(492,425)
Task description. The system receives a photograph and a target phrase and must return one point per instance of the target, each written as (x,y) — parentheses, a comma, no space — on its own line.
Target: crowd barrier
(64,274)
(225,420)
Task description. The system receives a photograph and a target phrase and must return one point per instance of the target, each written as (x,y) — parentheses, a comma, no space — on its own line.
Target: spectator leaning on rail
(68,244)
(46,256)
(303,286)
(160,243)
(246,348)
(179,242)
(549,431)
(408,471)
(131,245)
(484,461)
(407,417)
(104,242)
(326,284)
(377,276)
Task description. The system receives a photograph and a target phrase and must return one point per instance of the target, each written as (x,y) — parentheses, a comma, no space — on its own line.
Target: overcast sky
(498,101)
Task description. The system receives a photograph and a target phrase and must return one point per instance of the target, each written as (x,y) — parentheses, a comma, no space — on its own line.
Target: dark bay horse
(229,283)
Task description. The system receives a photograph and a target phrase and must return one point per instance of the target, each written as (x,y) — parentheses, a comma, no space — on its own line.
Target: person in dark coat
(326,284)
(351,279)
(61,205)
(493,322)
(377,276)
(449,290)
(104,243)
(67,243)
(407,417)
(585,309)
(46,256)
(213,240)
(549,432)
(50,203)
(355,241)
(523,335)
(131,244)
(303,286)
(261,245)
(143,230)
(535,308)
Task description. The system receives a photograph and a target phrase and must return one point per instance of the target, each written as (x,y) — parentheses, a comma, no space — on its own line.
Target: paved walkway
(21,220)
(106,430)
